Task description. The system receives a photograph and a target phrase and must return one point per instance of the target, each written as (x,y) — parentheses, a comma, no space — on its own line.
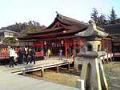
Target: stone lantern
(92,75)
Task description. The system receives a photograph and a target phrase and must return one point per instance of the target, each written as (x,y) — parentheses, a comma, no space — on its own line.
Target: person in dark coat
(22,56)
(31,55)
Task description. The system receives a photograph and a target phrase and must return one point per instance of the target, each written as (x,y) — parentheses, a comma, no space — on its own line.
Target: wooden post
(23,72)
(57,67)
(68,66)
(42,72)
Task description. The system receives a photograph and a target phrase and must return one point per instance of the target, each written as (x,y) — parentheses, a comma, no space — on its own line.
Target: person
(11,57)
(48,52)
(60,54)
(21,54)
(28,56)
(31,56)
(15,57)
(25,54)
(69,50)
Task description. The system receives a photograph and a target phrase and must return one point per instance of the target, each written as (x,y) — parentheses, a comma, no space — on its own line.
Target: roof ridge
(68,18)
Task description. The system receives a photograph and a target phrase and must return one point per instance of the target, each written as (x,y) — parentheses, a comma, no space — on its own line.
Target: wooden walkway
(39,65)
(10,81)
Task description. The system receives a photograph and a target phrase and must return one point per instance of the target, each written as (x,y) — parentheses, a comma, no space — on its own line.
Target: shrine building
(69,35)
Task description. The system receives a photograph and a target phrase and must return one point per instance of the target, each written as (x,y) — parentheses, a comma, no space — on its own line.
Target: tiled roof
(69,24)
(113,29)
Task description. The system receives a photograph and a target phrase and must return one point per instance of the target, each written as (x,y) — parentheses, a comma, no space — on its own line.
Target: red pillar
(66,47)
(74,49)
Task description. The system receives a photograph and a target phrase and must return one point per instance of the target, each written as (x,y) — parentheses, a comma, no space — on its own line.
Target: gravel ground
(65,77)
(112,71)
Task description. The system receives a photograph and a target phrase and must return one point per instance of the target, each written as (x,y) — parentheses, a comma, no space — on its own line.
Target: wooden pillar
(74,49)
(66,47)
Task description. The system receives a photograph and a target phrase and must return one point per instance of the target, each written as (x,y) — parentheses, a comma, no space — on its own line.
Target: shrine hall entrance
(54,47)
(69,47)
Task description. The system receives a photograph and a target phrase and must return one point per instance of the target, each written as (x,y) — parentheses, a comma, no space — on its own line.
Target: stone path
(10,81)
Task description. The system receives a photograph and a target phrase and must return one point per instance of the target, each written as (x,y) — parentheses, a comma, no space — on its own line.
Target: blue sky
(44,11)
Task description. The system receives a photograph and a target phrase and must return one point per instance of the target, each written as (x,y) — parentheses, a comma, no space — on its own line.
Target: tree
(32,26)
(94,15)
(9,40)
(99,20)
(102,20)
(113,17)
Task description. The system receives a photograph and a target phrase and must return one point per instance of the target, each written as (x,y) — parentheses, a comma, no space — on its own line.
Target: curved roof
(66,26)
(68,23)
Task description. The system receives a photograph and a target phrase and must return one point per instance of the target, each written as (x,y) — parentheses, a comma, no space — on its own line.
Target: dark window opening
(89,47)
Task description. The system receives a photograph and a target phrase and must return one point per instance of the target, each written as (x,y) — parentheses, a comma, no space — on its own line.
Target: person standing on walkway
(60,54)
(32,53)
(31,56)
(11,57)
(21,54)
(48,53)
(15,56)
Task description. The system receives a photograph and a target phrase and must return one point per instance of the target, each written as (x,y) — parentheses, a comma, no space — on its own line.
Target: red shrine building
(67,34)
(114,31)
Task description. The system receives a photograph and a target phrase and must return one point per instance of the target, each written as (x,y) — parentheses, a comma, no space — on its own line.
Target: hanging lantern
(45,42)
(62,42)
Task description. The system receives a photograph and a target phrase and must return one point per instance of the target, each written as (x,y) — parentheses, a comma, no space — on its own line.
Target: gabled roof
(92,30)
(68,23)
(65,26)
